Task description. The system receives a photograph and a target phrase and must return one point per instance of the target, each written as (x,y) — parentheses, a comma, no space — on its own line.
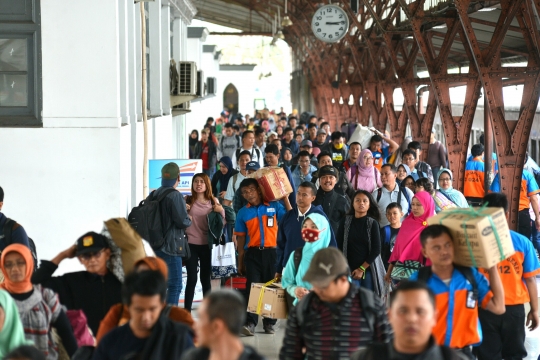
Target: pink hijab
(408,246)
(364,177)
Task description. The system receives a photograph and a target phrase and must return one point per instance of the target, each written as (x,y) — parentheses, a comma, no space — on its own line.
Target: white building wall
(245,82)
(85,165)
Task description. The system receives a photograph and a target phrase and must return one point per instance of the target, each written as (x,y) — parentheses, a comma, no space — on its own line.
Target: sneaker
(269,329)
(248,330)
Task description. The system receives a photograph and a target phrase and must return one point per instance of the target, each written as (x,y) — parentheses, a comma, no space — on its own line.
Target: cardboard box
(475,225)
(274,183)
(272,305)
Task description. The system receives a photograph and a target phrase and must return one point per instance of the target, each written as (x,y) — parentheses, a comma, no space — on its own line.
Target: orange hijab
(25,285)
(155,264)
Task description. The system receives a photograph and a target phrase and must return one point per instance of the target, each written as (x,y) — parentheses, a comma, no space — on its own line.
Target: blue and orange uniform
(529,188)
(457,311)
(504,335)
(259,225)
(473,187)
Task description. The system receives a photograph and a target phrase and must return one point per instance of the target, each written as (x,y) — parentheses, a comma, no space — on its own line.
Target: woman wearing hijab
(316,234)
(446,197)
(38,307)
(402,172)
(365,176)
(118,315)
(11,329)
(408,247)
(193,140)
(220,180)
(409,183)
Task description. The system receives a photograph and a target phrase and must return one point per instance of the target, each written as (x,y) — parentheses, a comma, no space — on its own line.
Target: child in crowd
(389,233)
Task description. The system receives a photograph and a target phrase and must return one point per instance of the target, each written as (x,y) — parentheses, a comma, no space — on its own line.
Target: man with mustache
(335,205)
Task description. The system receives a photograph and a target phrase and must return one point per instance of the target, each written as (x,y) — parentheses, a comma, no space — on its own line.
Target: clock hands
(333,23)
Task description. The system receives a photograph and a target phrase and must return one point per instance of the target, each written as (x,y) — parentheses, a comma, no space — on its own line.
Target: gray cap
(327,265)
(306,143)
(321,131)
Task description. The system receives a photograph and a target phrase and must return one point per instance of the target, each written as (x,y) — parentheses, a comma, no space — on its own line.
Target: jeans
(174,283)
(366,283)
(260,268)
(200,254)
(210,172)
(524,223)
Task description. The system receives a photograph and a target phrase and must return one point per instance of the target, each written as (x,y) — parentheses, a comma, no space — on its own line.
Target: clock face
(330,23)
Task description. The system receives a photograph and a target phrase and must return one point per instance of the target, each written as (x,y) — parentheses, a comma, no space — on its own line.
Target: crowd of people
(364,274)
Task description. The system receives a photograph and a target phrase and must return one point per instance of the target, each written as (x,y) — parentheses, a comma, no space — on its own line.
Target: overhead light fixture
(488,9)
(280,35)
(442,26)
(286,21)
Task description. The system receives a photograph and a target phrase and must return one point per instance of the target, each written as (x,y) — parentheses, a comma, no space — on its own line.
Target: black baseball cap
(91,242)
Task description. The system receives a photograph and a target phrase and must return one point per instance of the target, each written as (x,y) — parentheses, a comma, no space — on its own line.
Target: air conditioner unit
(211,84)
(184,106)
(187,78)
(201,85)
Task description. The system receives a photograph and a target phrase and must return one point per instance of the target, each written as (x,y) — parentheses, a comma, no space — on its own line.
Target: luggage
(128,240)
(236,282)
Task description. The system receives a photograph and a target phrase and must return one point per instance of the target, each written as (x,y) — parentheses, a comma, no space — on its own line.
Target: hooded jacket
(175,218)
(289,234)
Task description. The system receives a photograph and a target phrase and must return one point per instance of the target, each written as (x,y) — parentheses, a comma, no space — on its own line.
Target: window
(20,63)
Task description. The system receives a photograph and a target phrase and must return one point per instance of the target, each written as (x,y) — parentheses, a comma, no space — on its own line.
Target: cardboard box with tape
(274,183)
(481,235)
(268,300)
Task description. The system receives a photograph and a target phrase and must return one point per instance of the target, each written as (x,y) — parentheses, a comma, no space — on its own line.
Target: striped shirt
(334,331)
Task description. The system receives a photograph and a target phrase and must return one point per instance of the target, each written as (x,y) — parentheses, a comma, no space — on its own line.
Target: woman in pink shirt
(199,205)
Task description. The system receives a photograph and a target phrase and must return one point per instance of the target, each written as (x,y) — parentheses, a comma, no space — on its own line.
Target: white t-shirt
(233,186)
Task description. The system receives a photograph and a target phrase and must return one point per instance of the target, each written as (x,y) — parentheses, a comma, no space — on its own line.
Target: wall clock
(330,23)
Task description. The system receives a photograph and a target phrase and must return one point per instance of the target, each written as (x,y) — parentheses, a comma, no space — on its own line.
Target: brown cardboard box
(274,183)
(481,235)
(273,302)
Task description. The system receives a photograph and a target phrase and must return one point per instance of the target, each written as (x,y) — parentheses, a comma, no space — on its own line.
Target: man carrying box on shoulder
(256,231)
(504,335)
(459,292)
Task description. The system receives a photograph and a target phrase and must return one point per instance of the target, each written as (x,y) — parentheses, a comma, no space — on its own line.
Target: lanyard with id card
(270,217)
(472,298)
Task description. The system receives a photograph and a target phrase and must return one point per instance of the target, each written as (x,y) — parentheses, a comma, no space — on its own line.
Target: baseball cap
(253,165)
(327,265)
(170,171)
(321,131)
(328,170)
(91,242)
(306,143)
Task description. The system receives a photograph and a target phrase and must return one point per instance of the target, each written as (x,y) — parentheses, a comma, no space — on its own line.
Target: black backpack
(9,226)
(146,219)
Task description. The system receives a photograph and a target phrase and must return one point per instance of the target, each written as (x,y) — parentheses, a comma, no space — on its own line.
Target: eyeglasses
(368,158)
(88,256)
(445,179)
(11,265)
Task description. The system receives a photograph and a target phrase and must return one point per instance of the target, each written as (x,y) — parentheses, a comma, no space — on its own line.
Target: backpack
(9,226)
(425,273)
(401,191)
(146,219)
(367,302)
